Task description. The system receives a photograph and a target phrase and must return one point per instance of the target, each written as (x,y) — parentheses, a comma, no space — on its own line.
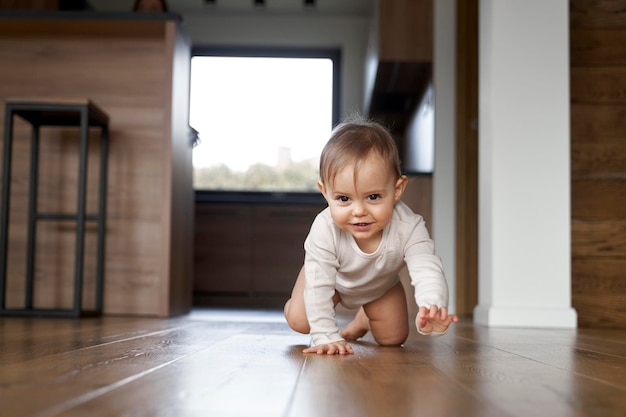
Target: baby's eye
(343,198)
(373,197)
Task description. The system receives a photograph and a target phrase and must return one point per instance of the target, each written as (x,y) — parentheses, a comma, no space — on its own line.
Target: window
(262,118)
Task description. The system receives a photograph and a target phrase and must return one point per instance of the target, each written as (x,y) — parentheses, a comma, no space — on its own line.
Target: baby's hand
(434,320)
(341,347)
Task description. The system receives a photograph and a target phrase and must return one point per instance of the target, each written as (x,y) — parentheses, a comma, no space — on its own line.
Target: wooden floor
(215,363)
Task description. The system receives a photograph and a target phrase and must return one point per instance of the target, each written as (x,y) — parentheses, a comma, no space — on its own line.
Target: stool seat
(58,112)
(45,111)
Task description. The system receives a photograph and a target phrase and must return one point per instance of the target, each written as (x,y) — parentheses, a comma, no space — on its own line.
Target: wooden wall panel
(599,238)
(278,246)
(399,61)
(599,290)
(605,46)
(598,161)
(222,248)
(599,198)
(179,244)
(249,254)
(126,67)
(467,157)
(597,14)
(598,85)
(419,197)
(597,123)
(606,159)
(405,30)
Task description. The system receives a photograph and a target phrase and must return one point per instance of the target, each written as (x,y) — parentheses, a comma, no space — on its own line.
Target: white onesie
(333,261)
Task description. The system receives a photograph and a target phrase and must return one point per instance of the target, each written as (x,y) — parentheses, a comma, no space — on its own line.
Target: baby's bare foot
(353,331)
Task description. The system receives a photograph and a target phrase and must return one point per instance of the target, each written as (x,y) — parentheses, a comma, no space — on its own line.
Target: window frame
(269,197)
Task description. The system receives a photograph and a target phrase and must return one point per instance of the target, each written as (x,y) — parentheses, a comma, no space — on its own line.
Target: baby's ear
(320,186)
(400,187)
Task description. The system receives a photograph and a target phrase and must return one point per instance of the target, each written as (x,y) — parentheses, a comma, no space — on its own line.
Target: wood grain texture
(466,157)
(598,47)
(599,238)
(599,86)
(598,160)
(137,72)
(278,246)
(597,123)
(405,30)
(250,250)
(599,199)
(597,14)
(400,55)
(222,248)
(248,362)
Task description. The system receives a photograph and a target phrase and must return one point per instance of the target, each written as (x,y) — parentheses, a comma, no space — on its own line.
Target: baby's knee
(297,322)
(392,339)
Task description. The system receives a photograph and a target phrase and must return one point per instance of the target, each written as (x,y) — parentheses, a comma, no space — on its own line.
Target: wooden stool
(81,113)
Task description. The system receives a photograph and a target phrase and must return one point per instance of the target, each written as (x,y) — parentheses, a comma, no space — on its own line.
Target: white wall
(420,135)
(444,211)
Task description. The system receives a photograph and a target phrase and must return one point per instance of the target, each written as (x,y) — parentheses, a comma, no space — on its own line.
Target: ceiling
(330,7)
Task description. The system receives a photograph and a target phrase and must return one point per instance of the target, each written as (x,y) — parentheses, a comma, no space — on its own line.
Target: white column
(524,165)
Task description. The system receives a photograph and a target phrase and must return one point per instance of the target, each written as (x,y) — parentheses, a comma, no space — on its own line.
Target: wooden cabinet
(399,63)
(405,30)
(223,249)
(249,254)
(136,68)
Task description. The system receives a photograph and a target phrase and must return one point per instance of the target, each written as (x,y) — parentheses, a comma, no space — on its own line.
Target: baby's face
(363,206)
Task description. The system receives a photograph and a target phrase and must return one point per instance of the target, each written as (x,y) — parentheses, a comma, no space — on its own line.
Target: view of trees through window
(262,122)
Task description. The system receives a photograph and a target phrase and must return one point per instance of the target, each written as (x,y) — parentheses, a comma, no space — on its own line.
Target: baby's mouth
(361,226)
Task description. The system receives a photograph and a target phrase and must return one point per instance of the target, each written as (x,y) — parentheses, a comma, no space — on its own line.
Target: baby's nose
(358,210)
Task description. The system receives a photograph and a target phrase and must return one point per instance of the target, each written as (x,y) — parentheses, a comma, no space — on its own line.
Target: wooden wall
(598,161)
(466,157)
(137,71)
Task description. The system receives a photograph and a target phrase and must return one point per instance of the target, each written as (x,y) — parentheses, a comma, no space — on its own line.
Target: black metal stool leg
(6,192)
(80,226)
(32,218)
(104,151)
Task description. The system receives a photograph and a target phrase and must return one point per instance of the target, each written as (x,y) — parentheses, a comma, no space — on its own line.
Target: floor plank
(257,380)
(51,336)
(249,363)
(379,381)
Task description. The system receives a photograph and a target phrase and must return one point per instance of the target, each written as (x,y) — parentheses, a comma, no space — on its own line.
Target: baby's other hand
(434,320)
(340,348)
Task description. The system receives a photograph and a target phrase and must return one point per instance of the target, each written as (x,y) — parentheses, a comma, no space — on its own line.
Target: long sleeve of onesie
(425,269)
(320,269)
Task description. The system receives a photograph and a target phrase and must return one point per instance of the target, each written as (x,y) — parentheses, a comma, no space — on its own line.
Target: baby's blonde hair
(351,142)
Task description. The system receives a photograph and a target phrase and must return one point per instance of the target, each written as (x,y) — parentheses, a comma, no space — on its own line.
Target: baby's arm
(320,269)
(434,321)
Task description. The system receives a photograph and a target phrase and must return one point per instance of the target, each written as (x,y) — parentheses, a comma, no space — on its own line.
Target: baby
(357,246)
